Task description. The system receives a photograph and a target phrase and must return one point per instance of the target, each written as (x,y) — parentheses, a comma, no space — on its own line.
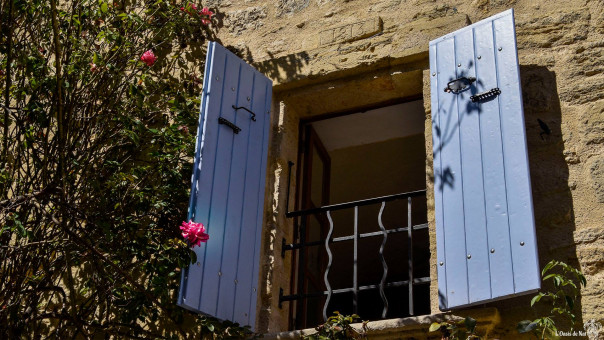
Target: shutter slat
(472,179)
(237,179)
(493,167)
(521,219)
(483,204)
(438,207)
(451,181)
(218,208)
(208,143)
(228,190)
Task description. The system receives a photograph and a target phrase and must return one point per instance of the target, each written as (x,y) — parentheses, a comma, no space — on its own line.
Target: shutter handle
(459,84)
(246,109)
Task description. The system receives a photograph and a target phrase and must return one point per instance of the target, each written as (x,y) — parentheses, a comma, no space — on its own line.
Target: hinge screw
(217,78)
(254,289)
(500,48)
(236,281)
(492,250)
(458,65)
(442,263)
(469,256)
(522,243)
(433,74)
(219,273)
(479,57)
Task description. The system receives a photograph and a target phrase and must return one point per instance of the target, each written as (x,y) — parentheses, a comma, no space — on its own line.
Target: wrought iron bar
(346,205)
(302,264)
(329,258)
(293,297)
(291,246)
(410,253)
(355,285)
(384,265)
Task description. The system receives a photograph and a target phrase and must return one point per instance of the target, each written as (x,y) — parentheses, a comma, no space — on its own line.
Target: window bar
(384,265)
(328,266)
(410,250)
(302,264)
(355,284)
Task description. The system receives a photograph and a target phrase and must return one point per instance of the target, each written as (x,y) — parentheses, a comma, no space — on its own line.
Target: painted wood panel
(228,189)
(485,229)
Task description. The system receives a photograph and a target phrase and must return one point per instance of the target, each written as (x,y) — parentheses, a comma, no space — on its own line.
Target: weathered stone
(350,32)
(554,29)
(593,123)
(245,19)
(596,173)
(289,7)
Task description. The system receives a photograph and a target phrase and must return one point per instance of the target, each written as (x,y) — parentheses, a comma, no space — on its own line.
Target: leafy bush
(566,283)
(452,330)
(95,163)
(338,327)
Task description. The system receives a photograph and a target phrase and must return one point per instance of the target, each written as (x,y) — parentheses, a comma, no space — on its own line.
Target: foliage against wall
(95,163)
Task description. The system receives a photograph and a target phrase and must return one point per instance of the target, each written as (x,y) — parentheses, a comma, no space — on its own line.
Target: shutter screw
(244,314)
(442,263)
(219,273)
(500,49)
(458,65)
(236,281)
(492,250)
(248,99)
(469,256)
(433,74)
(522,243)
(479,57)
(254,289)
(232,89)
(198,264)
(217,78)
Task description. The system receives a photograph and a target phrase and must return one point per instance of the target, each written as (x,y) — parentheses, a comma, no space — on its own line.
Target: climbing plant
(556,302)
(99,104)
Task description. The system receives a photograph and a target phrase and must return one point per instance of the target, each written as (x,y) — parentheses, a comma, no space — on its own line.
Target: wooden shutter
(227,193)
(485,229)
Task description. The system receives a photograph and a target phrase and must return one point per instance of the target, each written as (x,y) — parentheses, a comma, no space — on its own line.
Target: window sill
(411,327)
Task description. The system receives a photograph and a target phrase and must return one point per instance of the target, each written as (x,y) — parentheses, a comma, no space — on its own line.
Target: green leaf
(470,324)
(548,266)
(434,327)
(536,298)
(210,327)
(526,326)
(104,7)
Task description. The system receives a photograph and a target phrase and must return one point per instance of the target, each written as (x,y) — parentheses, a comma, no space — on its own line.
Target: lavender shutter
(227,193)
(485,229)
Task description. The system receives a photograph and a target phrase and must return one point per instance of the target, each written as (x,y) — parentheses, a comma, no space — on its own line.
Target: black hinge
(486,95)
(235,128)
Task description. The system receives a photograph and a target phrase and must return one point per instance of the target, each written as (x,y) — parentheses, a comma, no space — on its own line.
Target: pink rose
(206,11)
(193,232)
(149,58)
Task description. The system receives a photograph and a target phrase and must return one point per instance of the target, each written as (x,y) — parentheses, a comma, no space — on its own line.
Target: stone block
(351,32)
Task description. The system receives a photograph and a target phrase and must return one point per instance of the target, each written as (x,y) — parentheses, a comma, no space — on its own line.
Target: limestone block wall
(311,47)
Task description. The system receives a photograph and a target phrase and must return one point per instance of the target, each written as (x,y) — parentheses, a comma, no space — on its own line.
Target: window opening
(361,229)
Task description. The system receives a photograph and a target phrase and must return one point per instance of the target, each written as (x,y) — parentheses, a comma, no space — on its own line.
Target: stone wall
(312,47)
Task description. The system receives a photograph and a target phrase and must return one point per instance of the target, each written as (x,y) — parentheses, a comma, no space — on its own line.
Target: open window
(362,187)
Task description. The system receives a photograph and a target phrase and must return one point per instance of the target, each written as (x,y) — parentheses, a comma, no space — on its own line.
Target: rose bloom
(148,58)
(193,232)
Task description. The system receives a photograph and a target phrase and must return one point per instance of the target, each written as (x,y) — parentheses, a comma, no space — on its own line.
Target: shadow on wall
(552,199)
(283,68)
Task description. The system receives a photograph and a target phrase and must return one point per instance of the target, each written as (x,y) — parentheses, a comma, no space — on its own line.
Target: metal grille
(355,237)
